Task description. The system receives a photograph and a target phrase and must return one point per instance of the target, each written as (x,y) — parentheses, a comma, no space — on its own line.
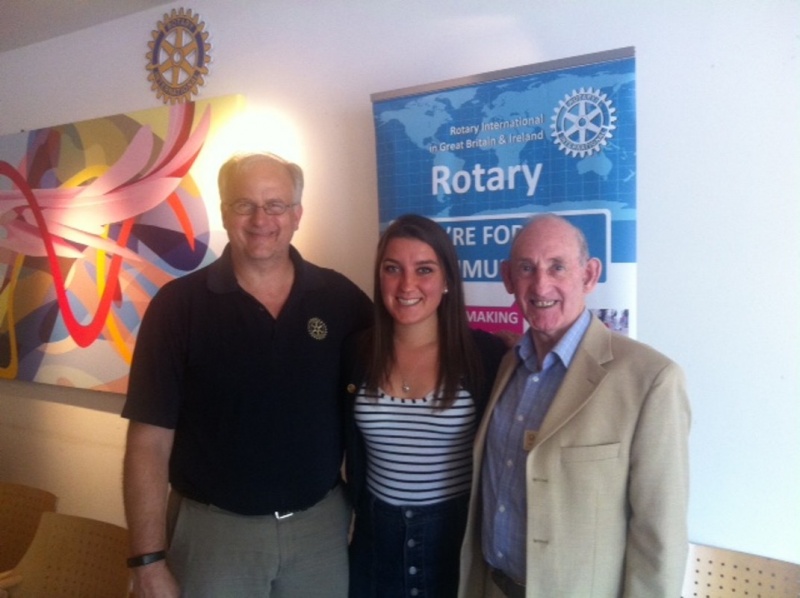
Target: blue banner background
(558,137)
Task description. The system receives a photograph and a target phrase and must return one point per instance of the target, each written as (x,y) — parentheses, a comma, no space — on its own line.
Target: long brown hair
(459,362)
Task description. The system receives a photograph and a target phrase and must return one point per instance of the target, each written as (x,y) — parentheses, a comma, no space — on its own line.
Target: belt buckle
(279,515)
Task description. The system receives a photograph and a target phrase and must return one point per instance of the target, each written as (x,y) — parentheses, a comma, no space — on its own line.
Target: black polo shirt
(253,400)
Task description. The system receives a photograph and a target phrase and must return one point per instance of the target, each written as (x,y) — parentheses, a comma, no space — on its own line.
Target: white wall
(718,167)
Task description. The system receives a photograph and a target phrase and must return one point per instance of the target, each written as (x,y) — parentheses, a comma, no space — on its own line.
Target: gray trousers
(218,554)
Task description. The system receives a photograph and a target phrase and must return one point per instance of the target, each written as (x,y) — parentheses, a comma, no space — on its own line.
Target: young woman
(418,383)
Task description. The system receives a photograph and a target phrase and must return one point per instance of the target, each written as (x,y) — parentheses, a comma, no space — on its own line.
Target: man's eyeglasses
(244,207)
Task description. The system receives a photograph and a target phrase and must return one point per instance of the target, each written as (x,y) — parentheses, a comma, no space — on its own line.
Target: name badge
(529,440)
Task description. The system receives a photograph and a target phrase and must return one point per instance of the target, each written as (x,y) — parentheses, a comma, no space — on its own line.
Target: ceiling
(24,22)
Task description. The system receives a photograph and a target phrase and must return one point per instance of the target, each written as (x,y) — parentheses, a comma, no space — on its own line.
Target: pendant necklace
(416,358)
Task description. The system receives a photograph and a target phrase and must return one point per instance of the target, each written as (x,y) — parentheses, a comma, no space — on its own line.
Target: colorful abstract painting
(95,217)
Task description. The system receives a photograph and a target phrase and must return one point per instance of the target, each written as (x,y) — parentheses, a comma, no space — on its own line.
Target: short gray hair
(239,163)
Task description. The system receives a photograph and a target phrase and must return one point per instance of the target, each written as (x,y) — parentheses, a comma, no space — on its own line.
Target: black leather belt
(508,586)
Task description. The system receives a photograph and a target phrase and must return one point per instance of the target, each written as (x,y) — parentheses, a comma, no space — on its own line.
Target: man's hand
(155,581)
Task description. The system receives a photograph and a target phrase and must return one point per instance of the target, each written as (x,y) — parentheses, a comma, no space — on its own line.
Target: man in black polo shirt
(233,402)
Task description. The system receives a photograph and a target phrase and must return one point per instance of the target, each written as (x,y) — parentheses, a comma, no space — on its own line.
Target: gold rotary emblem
(317,329)
(178,56)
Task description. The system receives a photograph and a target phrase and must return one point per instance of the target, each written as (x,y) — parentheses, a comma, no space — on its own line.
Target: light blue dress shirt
(519,413)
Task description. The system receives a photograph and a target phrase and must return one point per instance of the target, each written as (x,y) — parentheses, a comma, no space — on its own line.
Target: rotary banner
(483,154)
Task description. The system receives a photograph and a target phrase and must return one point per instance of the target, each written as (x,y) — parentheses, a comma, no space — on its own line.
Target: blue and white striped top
(416,453)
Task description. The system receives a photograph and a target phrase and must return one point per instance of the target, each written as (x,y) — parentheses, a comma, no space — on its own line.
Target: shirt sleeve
(155,381)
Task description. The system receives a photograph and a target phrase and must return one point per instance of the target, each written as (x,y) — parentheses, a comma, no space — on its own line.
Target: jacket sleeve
(657,542)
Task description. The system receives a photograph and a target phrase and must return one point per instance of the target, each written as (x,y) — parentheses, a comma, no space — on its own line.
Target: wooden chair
(72,557)
(719,573)
(21,507)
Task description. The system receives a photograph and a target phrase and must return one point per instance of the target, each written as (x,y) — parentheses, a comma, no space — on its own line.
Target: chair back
(719,573)
(20,510)
(74,557)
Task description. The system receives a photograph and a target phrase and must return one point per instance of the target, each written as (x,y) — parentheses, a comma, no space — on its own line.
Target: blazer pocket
(600,452)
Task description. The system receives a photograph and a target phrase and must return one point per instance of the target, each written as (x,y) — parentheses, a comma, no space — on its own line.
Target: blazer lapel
(584,375)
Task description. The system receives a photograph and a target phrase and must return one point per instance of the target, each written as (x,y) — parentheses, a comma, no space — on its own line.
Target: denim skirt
(407,550)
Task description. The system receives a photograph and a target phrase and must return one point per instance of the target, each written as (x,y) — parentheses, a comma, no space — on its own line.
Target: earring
(445,291)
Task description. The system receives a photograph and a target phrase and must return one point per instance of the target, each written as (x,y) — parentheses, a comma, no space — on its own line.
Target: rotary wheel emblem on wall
(178,56)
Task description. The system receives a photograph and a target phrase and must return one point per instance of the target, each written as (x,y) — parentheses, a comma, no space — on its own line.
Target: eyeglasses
(244,207)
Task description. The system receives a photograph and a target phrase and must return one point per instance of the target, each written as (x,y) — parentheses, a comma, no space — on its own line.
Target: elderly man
(580,482)
(233,402)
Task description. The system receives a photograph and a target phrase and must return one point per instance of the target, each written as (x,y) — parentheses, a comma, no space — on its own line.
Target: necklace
(414,374)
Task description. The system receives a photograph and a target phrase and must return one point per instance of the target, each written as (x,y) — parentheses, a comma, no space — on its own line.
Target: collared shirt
(515,421)
(253,399)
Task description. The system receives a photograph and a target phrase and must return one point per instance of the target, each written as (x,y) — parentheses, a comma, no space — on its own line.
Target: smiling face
(259,237)
(412,281)
(550,278)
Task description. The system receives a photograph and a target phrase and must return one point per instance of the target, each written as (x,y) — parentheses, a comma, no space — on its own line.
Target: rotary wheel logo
(583,122)
(317,329)
(178,56)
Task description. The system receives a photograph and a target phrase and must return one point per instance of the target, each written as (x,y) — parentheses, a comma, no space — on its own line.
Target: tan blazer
(607,487)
